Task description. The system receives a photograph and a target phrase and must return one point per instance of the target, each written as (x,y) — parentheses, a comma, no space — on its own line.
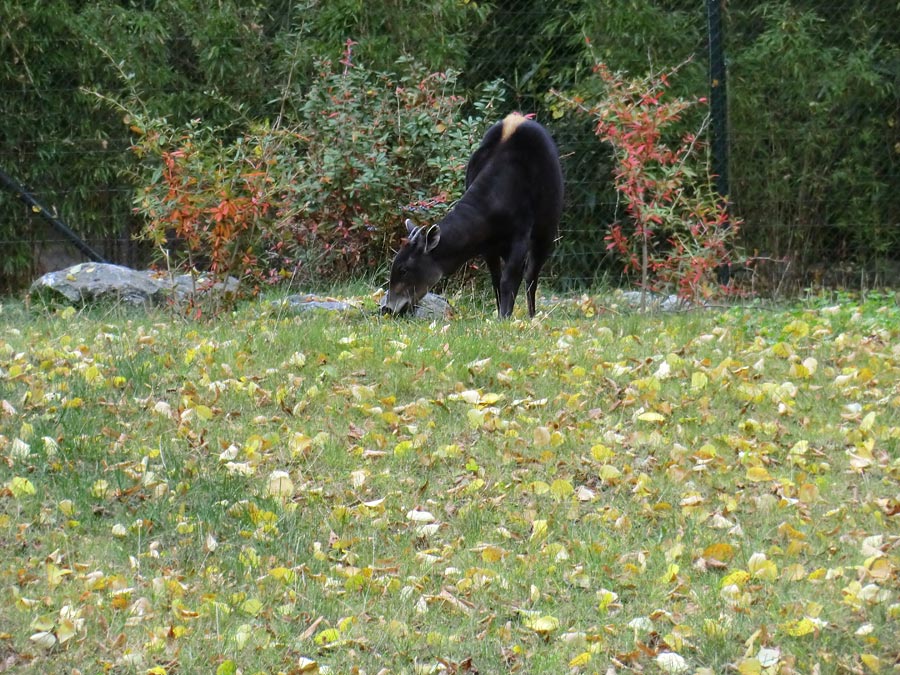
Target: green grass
(589,490)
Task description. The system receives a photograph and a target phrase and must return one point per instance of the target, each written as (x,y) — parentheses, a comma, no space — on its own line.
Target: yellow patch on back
(510,123)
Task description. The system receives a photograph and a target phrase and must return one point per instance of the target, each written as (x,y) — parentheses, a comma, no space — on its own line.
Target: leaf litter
(593,494)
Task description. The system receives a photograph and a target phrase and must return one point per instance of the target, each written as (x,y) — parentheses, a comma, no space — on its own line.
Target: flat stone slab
(431,307)
(312,303)
(654,301)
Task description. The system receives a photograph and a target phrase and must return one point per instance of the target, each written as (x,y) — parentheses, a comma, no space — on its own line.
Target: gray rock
(430,307)
(94,282)
(89,283)
(654,301)
(433,307)
(309,303)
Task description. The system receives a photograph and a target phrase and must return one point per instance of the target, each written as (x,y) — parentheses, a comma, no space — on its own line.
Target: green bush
(316,199)
(372,144)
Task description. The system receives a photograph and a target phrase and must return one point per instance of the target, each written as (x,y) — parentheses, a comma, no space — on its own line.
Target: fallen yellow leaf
(538,529)
(492,554)
(721,551)
(542,624)
(799,628)
(871,661)
(879,569)
(65,631)
(609,474)
(750,666)
(203,412)
(20,487)
(737,578)
(561,489)
(581,660)
(699,381)
(758,474)
(327,636)
(671,574)
(762,568)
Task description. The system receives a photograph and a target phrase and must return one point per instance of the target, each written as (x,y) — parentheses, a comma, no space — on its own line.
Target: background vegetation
(814,121)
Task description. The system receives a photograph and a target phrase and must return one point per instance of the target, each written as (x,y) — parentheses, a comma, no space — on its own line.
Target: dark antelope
(509,215)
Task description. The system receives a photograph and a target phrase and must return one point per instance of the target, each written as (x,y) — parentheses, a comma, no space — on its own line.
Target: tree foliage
(815,120)
(813,100)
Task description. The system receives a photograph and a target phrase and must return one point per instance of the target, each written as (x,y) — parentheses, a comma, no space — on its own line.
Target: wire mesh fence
(804,106)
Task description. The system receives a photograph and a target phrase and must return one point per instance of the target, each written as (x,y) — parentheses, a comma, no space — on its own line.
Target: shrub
(677,232)
(371,143)
(316,199)
(206,202)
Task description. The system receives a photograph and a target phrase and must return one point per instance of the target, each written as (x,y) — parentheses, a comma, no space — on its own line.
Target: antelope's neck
(464,233)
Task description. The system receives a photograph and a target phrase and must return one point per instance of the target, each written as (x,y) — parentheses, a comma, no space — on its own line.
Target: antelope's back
(517,168)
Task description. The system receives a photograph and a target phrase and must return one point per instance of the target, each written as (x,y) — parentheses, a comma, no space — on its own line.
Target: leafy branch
(678,230)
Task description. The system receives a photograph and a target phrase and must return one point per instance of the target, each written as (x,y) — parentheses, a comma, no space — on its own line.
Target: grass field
(594,491)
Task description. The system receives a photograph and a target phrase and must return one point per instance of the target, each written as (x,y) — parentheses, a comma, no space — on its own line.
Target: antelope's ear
(410,227)
(432,238)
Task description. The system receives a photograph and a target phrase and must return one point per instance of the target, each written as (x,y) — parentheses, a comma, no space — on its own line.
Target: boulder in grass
(88,283)
(431,307)
(92,283)
(654,301)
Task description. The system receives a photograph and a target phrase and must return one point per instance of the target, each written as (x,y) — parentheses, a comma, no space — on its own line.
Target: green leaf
(228,667)
(21,487)
(327,636)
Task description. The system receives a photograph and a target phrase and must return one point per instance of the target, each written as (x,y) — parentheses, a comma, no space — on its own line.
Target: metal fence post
(718,96)
(38,208)
(718,108)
